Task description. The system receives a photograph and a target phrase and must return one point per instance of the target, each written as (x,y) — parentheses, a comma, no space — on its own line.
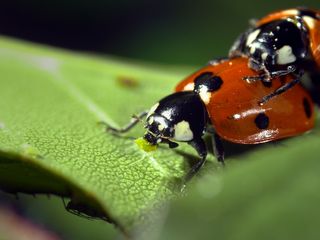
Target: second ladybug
(283,42)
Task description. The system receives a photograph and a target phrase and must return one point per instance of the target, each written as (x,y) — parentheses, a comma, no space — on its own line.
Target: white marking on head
(189,87)
(252,36)
(264,56)
(182,131)
(309,21)
(152,109)
(161,122)
(285,55)
(151,119)
(160,127)
(252,49)
(167,114)
(205,95)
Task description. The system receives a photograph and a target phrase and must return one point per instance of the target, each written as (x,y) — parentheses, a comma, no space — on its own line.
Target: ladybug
(216,100)
(283,42)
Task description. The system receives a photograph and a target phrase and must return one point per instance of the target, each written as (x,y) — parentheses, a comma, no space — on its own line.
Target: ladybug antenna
(138,118)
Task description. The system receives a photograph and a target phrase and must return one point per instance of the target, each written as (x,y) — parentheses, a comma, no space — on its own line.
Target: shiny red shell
(234,107)
(313,27)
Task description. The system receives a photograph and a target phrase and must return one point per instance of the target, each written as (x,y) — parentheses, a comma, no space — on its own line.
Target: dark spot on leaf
(127,82)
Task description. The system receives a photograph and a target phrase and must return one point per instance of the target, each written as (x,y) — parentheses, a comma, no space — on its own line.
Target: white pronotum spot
(182,131)
(252,36)
(264,56)
(161,127)
(285,55)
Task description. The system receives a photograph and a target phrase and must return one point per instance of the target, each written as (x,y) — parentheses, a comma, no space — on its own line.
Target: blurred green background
(162,31)
(166,32)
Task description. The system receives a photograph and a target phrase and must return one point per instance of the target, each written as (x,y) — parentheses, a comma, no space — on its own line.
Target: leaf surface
(51,142)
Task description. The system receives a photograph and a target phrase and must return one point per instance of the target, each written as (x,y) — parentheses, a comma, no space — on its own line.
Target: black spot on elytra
(262,121)
(307,107)
(213,83)
(203,77)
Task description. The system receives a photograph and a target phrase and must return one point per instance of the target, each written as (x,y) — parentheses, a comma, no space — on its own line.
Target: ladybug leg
(217,145)
(218,148)
(200,146)
(280,90)
(315,87)
(134,120)
(170,143)
(267,76)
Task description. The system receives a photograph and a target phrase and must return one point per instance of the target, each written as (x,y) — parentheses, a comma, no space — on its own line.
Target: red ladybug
(283,42)
(217,101)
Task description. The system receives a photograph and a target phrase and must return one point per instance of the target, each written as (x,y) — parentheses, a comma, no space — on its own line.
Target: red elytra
(233,108)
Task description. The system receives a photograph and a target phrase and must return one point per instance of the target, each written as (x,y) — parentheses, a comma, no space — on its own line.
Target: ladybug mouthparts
(151,138)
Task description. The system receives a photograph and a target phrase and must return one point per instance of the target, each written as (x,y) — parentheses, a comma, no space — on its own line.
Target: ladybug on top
(283,42)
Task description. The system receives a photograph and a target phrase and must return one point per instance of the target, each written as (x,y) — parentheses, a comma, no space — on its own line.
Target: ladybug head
(158,129)
(276,44)
(180,117)
(261,55)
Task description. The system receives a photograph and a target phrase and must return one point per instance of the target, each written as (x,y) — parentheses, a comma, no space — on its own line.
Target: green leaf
(51,142)
(270,194)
